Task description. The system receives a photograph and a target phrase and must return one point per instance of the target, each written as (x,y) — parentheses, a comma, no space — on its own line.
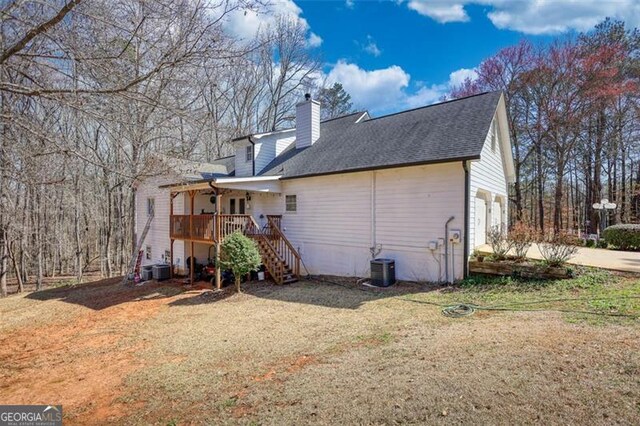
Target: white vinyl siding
(266,148)
(488,176)
(158,237)
(243,167)
(270,146)
(333,224)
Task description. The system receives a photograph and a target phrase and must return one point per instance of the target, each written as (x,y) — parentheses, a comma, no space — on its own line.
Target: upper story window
(249,153)
(291,203)
(151,206)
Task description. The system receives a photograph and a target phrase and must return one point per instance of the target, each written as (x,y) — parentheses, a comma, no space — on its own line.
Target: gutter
(383,167)
(467,186)
(253,155)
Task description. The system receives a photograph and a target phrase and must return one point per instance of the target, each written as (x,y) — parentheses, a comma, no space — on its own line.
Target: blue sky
(395,55)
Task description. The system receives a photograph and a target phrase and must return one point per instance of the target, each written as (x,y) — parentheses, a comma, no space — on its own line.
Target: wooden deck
(278,255)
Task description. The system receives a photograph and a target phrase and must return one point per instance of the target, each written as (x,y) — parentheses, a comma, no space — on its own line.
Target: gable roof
(193,170)
(449,131)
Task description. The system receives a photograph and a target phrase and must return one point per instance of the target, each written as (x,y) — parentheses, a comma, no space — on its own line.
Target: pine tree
(335,101)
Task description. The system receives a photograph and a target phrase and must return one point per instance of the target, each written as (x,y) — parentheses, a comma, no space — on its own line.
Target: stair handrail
(266,240)
(275,268)
(276,230)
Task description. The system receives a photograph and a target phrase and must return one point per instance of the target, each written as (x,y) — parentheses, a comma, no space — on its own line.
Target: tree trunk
(557,209)
(597,168)
(540,186)
(16,268)
(4,253)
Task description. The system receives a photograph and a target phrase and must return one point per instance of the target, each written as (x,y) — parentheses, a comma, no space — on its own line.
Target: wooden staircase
(281,272)
(279,257)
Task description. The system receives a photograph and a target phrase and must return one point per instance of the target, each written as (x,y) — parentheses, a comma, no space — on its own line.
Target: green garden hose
(457,311)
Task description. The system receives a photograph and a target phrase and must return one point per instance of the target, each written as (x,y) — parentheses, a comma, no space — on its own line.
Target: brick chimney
(307,122)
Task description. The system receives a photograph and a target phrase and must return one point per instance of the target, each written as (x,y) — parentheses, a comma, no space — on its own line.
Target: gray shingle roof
(449,131)
(229,164)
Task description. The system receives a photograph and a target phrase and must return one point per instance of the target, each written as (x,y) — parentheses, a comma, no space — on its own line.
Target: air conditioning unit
(161,272)
(383,272)
(146,273)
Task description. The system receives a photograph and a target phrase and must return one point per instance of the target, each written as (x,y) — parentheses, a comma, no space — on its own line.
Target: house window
(151,206)
(148,252)
(249,153)
(291,203)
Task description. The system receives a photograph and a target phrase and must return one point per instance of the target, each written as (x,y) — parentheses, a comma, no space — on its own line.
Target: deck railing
(276,250)
(179,227)
(199,227)
(205,227)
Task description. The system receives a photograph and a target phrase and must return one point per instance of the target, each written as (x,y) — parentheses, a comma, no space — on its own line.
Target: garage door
(481,222)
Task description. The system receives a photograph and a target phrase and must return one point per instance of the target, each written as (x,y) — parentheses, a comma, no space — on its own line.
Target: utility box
(455,236)
(161,272)
(383,272)
(147,273)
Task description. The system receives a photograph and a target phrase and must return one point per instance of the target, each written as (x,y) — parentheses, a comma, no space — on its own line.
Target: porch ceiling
(253,184)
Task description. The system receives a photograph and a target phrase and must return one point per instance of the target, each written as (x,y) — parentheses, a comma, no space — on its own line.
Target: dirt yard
(321,353)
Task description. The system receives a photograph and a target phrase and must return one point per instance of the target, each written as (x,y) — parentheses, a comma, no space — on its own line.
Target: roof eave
(384,167)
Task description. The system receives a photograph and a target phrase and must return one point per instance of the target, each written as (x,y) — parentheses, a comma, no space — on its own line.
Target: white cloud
(442,11)
(387,89)
(245,23)
(314,40)
(378,89)
(458,77)
(426,95)
(371,47)
(350,4)
(534,16)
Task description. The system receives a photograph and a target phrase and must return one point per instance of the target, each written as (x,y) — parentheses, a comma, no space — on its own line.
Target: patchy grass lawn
(562,352)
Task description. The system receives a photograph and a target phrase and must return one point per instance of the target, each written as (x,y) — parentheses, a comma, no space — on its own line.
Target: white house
(328,196)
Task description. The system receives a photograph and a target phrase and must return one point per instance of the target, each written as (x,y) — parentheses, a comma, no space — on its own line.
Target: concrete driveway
(627,261)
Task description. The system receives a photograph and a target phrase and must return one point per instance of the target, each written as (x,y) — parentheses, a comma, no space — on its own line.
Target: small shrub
(589,243)
(241,255)
(602,243)
(500,244)
(521,237)
(556,249)
(623,237)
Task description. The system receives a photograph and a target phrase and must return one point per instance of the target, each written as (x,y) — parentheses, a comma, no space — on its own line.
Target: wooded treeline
(92,92)
(573,111)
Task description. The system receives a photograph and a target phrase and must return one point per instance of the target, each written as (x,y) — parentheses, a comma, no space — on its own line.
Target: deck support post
(217,234)
(171,197)
(192,195)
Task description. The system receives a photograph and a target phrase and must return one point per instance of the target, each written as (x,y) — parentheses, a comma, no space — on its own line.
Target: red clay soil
(80,360)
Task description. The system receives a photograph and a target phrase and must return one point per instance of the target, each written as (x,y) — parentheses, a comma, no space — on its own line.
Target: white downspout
(373,247)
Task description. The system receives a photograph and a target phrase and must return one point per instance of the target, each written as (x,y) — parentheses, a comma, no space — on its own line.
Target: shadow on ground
(109,292)
(313,292)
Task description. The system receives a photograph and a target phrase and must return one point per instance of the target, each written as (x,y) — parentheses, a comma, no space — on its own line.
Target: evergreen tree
(335,101)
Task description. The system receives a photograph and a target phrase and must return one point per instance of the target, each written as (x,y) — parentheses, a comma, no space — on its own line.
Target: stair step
(290,280)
